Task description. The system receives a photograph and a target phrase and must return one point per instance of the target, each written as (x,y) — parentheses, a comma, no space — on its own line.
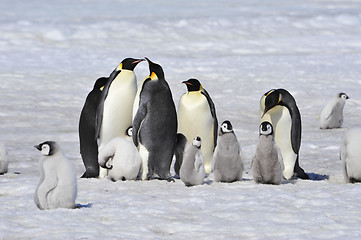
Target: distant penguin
(121,158)
(332,114)
(192,170)
(227,160)
(58,185)
(197,117)
(279,108)
(4,159)
(267,164)
(155,125)
(114,113)
(350,155)
(87,128)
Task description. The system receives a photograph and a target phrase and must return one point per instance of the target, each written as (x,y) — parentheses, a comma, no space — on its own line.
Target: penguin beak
(188,83)
(38,147)
(138,61)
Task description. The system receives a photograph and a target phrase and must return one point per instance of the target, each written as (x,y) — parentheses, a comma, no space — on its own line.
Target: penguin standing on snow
(57,187)
(267,163)
(121,158)
(227,160)
(332,114)
(4,160)
(279,108)
(350,155)
(197,117)
(155,125)
(114,113)
(87,128)
(192,170)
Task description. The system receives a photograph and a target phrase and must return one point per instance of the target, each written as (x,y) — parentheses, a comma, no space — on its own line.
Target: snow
(51,54)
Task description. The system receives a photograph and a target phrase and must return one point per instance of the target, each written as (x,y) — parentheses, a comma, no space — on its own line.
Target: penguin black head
(266,128)
(193,85)
(129,131)
(343,96)
(226,127)
(156,71)
(47,148)
(100,82)
(129,64)
(273,98)
(197,142)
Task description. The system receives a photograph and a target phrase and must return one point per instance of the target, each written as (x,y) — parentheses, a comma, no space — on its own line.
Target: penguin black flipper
(178,151)
(99,114)
(213,112)
(138,119)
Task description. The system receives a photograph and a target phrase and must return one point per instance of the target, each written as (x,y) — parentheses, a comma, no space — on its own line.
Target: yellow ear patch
(271,91)
(120,67)
(153,76)
(101,89)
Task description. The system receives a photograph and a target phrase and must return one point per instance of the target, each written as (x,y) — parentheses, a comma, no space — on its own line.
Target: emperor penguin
(197,117)
(267,163)
(121,158)
(192,170)
(332,114)
(227,162)
(58,185)
(155,125)
(87,128)
(278,107)
(4,159)
(350,155)
(114,113)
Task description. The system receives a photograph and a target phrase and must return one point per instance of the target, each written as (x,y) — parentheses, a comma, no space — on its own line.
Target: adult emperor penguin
(114,113)
(332,113)
(197,117)
(267,164)
(121,158)
(58,185)
(227,162)
(87,128)
(155,125)
(4,159)
(350,155)
(279,108)
(192,170)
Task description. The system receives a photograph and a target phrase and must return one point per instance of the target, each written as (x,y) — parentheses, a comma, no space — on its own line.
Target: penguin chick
(227,159)
(267,164)
(4,159)
(58,185)
(121,158)
(332,114)
(350,155)
(192,170)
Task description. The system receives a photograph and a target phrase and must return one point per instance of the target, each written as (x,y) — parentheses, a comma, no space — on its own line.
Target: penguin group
(131,133)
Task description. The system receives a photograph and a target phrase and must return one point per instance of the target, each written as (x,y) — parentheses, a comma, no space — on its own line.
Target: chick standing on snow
(350,155)
(332,114)
(121,157)
(57,187)
(227,160)
(267,164)
(4,160)
(192,170)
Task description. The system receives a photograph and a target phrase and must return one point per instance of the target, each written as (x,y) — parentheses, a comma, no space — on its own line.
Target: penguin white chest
(118,106)
(195,119)
(281,120)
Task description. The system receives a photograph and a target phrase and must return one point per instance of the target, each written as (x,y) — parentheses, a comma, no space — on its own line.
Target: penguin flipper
(213,112)
(198,163)
(137,121)
(100,108)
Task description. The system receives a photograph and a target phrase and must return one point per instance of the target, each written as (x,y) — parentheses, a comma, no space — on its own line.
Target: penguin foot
(88,174)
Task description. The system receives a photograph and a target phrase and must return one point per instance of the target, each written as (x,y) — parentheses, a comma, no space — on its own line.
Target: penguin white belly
(118,106)
(281,120)
(195,119)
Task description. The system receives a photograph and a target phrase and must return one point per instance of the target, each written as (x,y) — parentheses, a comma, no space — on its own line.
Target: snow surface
(51,52)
